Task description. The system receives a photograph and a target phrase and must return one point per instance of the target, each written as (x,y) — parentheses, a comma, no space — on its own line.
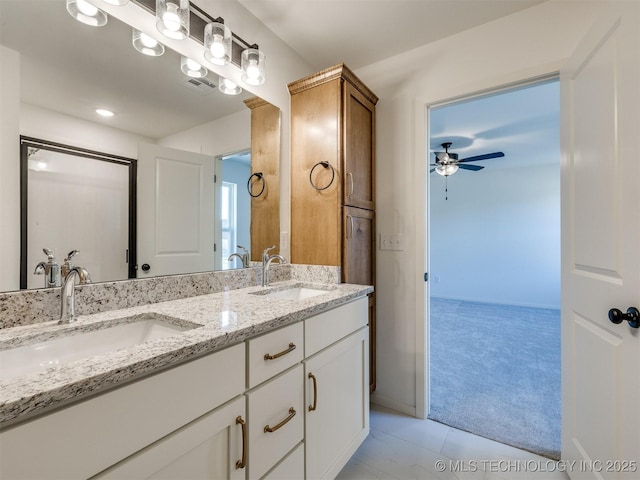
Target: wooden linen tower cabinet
(333,179)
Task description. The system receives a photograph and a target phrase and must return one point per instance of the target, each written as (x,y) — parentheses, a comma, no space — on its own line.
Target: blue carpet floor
(495,372)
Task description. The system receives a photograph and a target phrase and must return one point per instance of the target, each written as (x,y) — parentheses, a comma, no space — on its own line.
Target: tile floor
(403,448)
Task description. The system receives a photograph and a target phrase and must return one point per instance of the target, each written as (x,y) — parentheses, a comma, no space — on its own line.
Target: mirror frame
(130,163)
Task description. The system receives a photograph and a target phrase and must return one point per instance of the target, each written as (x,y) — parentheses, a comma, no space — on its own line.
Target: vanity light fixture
(117,3)
(146,44)
(253,66)
(87,13)
(104,112)
(172,18)
(192,68)
(228,87)
(217,42)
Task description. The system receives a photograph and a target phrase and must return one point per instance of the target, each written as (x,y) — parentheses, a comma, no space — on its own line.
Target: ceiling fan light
(146,44)
(172,18)
(447,169)
(217,43)
(87,13)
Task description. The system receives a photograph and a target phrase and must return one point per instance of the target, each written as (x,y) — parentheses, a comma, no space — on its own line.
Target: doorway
(494,255)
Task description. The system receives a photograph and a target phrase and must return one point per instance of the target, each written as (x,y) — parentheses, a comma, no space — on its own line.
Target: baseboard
(497,302)
(393,404)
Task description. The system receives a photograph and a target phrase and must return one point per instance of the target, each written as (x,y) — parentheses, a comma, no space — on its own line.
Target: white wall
(497,238)
(219,137)
(528,44)
(9,170)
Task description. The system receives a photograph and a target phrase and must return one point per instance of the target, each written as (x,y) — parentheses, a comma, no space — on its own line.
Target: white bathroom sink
(68,347)
(296,293)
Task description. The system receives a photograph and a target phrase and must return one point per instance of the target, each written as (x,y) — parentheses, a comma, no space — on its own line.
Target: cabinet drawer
(270,406)
(291,468)
(285,344)
(329,327)
(208,447)
(106,428)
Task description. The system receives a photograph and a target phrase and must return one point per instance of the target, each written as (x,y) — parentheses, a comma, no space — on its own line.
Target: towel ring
(259,176)
(325,165)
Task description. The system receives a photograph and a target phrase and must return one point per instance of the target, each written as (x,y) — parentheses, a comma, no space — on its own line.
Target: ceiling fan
(447,163)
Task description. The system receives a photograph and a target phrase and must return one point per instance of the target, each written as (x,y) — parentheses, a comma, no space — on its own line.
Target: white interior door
(176,211)
(600,254)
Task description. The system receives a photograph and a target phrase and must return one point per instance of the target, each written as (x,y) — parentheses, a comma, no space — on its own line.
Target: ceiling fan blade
(475,168)
(486,156)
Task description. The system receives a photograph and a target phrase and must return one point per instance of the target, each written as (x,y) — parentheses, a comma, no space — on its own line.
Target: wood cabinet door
(358,149)
(208,447)
(337,405)
(358,261)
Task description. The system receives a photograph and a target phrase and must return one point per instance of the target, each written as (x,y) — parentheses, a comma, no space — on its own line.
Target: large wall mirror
(192,145)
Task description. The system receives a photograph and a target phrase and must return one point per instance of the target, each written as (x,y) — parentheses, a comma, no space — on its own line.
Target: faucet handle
(48,252)
(265,253)
(72,254)
(243,248)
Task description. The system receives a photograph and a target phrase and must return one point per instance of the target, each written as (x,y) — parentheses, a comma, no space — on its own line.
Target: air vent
(201,85)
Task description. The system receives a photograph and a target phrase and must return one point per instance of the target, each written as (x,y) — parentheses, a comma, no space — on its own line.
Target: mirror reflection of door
(75,200)
(235,207)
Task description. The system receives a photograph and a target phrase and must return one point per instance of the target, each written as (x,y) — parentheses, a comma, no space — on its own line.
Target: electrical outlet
(284,240)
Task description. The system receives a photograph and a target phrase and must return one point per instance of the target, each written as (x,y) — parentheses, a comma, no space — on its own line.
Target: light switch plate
(392,241)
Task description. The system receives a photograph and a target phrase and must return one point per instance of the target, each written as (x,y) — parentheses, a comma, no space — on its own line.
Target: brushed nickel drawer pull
(292,347)
(243,461)
(350,178)
(315,392)
(292,413)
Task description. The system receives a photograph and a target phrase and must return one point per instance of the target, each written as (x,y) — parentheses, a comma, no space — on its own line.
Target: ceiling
(362,32)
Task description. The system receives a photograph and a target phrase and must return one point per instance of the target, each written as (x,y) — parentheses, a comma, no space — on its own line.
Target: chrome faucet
(266,263)
(50,269)
(68,296)
(67,266)
(244,257)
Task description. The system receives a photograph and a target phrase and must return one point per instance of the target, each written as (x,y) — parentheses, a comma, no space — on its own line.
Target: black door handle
(632,316)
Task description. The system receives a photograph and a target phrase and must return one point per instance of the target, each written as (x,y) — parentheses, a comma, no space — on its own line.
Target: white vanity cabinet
(87,437)
(337,388)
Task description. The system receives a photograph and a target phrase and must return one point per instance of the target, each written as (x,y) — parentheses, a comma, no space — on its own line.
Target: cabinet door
(358,264)
(337,405)
(359,140)
(209,447)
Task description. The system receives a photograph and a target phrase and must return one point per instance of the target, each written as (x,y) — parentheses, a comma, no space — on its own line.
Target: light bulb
(148,41)
(86,8)
(217,47)
(228,84)
(253,71)
(171,19)
(193,65)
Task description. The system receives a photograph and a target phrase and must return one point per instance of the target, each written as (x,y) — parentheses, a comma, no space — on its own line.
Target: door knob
(632,316)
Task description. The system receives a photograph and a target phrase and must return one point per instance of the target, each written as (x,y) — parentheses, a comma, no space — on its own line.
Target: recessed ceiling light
(104,113)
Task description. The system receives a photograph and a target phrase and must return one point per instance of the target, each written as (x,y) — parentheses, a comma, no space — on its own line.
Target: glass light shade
(228,87)
(146,44)
(87,13)
(253,66)
(447,169)
(172,18)
(192,68)
(217,43)
(119,3)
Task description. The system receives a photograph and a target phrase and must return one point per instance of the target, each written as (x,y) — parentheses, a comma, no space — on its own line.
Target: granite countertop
(222,319)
